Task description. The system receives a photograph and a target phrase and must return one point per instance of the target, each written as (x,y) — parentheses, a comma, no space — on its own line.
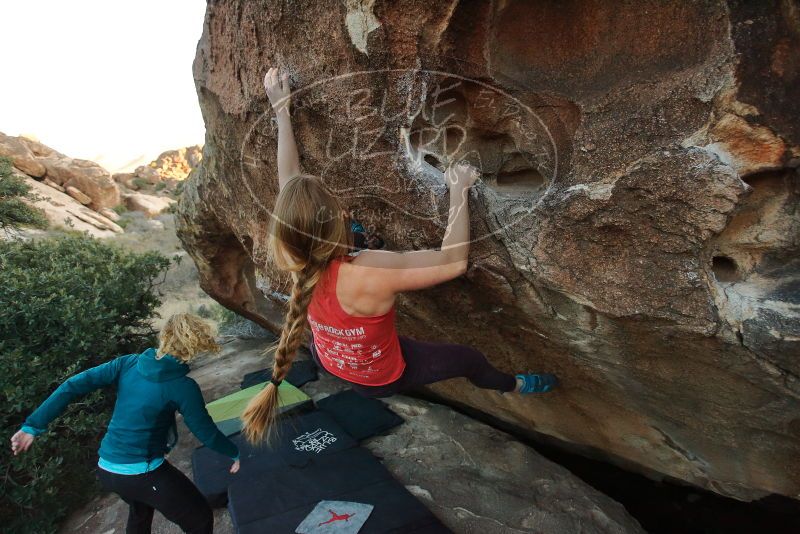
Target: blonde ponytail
(262,410)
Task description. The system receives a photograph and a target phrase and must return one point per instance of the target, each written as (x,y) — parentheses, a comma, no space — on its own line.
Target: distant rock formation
(42,162)
(81,194)
(637,230)
(170,168)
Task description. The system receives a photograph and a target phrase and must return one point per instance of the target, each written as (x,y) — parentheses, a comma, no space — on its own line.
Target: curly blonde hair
(185,335)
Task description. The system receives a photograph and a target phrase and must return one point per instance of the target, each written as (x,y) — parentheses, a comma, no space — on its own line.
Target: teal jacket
(149,392)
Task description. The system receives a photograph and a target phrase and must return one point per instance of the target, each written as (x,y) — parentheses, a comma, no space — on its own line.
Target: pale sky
(110,81)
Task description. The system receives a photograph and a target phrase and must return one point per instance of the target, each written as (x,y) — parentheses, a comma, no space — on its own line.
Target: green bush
(140,183)
(14,212)
(66,304)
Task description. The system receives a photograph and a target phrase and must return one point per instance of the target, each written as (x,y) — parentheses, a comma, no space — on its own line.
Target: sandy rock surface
(65,211)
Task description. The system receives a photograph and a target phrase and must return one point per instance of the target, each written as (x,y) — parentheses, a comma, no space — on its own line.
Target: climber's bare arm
(388,273)
(277,87)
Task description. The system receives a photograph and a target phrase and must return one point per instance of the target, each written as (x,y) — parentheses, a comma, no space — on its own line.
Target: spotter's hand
(21,442)
(235,467)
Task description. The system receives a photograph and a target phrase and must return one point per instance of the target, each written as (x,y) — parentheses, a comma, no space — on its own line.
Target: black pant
(427,363)
(165,489)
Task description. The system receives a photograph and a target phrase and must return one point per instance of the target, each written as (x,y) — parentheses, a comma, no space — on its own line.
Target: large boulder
(87,176)
(637,229)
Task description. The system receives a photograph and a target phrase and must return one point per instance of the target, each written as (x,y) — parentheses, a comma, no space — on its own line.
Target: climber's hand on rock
(21,442)
(277,86)
(461,176)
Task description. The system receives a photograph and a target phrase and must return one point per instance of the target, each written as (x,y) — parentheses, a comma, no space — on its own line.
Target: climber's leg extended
(427,363)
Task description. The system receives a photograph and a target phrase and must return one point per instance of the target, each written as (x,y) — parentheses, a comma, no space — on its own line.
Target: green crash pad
(226,412)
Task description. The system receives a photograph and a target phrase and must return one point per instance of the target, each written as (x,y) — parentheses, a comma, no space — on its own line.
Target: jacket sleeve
(74,387)
(193,408)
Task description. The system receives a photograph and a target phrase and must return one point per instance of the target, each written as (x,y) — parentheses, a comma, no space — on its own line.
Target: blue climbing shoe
(537,383)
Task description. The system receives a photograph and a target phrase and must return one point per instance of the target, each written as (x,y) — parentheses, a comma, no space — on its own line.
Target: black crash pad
(302,372)
(281,498)
(396,511)
(295,442)
(361,417)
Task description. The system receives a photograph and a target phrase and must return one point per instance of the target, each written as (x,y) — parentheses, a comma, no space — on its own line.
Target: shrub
(67,304)
(14,212)
(160,186)
(119,209)
(140,183)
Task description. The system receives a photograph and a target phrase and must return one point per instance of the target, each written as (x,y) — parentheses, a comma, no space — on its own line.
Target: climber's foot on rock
(536,383)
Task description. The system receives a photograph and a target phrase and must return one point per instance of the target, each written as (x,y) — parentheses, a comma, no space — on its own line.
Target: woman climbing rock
(348,298)
(151,387)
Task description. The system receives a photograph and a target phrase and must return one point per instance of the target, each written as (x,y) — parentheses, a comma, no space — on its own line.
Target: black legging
(427,363)
(165,489)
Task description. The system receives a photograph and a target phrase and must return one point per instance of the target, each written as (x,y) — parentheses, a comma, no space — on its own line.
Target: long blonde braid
(308,230)
(263,409)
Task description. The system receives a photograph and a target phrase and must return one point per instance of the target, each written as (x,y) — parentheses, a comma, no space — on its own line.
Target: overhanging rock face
(636,230)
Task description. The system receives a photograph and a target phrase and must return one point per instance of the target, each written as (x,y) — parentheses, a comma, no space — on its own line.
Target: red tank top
(362,350)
